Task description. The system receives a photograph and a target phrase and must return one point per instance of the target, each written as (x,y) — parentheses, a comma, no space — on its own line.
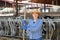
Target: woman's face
(35,15)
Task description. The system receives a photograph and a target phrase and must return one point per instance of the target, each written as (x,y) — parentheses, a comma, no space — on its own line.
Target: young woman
(34,26)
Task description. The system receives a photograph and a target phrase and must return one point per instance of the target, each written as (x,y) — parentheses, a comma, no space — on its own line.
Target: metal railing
(13,27)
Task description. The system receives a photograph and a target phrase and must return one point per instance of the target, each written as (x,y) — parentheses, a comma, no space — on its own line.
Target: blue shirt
(35,28)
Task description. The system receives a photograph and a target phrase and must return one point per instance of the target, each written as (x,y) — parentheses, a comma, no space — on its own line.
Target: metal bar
(16,8)
(24,19)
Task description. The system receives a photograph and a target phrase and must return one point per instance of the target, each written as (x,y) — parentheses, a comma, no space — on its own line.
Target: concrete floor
(6,38)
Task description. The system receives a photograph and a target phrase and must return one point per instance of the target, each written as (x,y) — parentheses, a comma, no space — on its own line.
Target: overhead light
(25,1)
(28,0)
(7,14)
(9,0)
(45,10)
(55,8)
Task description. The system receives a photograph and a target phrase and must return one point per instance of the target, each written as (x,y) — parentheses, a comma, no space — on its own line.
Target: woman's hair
(36,11)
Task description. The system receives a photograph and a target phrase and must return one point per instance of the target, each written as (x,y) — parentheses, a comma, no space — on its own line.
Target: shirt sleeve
(36,27)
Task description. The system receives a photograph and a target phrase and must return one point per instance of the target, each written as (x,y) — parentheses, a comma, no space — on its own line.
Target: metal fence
(13,27)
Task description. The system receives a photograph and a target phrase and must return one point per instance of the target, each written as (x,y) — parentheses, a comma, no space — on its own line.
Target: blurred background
(12,12)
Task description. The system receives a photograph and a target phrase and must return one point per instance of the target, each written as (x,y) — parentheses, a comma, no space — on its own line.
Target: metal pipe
(16,8)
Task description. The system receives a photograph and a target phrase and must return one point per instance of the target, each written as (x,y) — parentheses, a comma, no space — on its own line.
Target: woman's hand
(23,22)
(24,26)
